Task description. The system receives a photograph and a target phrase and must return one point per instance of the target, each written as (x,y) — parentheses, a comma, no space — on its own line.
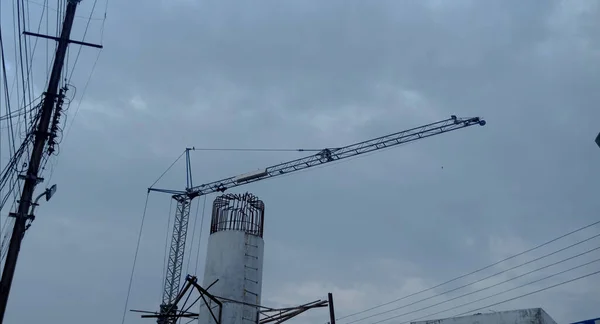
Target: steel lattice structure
(184,198)
(176,254)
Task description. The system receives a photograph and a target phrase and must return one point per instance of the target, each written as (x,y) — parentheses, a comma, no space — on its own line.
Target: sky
(315,74)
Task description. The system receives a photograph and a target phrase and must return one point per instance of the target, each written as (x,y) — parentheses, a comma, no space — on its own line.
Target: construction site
(440,155)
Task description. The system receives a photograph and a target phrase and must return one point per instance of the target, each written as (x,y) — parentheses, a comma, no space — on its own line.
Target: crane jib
(333,154)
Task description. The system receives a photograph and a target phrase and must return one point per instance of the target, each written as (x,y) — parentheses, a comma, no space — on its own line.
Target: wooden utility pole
(31,178)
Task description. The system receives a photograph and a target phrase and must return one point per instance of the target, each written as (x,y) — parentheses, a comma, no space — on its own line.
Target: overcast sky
(313,74)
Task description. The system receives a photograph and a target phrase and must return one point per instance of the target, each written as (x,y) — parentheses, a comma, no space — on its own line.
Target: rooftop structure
(521,316)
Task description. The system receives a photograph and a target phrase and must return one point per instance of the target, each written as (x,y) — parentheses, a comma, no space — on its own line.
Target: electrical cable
(187,268)
(494,285)
(24,59)
(87,26)
(137,249)
(505,291)
(477,281)
(533,292)
(85,87)
(475,271)
(45,5)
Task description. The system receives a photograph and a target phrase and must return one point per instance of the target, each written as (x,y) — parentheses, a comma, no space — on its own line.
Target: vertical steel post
(331,310)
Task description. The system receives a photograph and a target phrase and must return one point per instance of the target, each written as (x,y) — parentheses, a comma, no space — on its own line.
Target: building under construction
(231,290)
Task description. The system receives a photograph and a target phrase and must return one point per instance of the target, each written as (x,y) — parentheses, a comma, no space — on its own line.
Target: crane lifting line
(184,197)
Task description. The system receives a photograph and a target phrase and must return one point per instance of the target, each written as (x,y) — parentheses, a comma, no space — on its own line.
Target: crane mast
(183,198)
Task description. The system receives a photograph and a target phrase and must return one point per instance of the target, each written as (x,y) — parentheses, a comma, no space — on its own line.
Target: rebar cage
(238,212)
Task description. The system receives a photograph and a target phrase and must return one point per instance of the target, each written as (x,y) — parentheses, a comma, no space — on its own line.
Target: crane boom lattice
(184,198)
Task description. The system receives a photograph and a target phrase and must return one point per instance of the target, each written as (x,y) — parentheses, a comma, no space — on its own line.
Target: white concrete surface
(236,259)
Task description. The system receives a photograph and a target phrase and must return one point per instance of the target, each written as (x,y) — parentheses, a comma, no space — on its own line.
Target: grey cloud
(304,74)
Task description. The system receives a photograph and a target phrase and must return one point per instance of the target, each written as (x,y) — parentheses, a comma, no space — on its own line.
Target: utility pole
(331,309)
(42,134)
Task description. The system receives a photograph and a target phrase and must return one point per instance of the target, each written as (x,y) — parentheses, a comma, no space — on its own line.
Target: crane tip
(482,122)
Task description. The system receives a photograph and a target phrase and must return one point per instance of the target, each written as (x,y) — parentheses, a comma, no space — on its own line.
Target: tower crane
(184,198)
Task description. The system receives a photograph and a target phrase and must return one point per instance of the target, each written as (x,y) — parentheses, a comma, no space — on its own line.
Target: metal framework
(176,253)
(268,315)
(171,314)
(280,315)
(238,212)
(326,155)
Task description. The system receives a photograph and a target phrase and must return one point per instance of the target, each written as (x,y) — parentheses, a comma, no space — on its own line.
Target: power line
(494,285)
(473,272)
(505,291)
(477,281)
(93,68)
(87,26)
(533,292)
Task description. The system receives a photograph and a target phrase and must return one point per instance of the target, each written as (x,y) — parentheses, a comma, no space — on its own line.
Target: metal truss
(176,254)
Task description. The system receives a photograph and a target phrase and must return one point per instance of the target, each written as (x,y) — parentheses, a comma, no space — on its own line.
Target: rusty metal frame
(238,212)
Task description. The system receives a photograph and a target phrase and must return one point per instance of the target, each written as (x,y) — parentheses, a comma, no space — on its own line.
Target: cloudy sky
(313,74)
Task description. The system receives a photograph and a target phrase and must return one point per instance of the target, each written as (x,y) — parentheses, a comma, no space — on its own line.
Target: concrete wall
(523,316)
(236,259)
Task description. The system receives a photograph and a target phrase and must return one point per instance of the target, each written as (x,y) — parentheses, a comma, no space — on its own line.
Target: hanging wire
(187,268)
(167,170)
(87,26)
(502,292)
(200,237)
(85,87)
(137,249)
(531,293)
(477,281)
(520,286)
(475,271)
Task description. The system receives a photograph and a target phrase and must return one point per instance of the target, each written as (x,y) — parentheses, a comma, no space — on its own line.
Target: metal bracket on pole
(58,39)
